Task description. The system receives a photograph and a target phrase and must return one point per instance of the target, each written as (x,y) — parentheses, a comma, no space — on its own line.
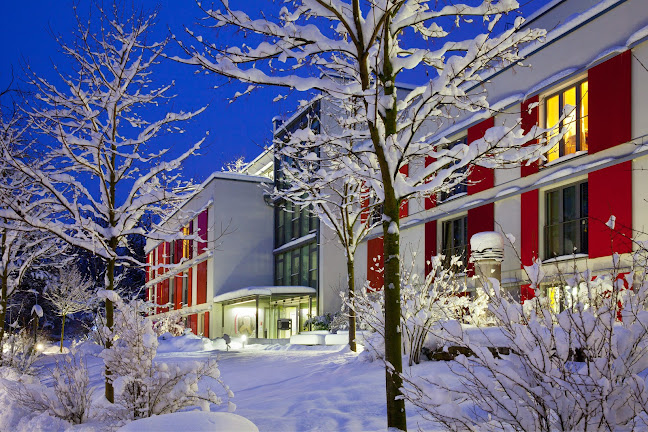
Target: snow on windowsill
(297,241)
(565,158)
(453,197)
(565,258)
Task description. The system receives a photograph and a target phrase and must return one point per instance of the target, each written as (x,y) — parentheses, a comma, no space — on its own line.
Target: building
(594,58)
(280,266)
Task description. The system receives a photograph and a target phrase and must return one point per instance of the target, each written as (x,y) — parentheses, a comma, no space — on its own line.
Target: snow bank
(192,421)
(187,343)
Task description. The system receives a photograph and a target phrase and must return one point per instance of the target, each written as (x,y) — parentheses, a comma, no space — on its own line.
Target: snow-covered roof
(265,291)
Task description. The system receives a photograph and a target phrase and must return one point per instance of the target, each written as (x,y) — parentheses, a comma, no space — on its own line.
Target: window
(566,221)
(575,124)
(298,266)
(455,242)
(185,288)
(172,290)
(293,222)
(461,187)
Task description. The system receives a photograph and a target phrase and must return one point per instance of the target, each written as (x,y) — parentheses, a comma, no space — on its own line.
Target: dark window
(185,287)
(293,222)
(455,242)
(297,266)
(575,125)
(171,289)
(566,221)
(458,175)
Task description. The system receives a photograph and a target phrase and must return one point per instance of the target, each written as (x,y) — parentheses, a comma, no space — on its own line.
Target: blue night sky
(241,128)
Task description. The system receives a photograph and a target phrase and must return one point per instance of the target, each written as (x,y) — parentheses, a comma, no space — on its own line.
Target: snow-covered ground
(278,388)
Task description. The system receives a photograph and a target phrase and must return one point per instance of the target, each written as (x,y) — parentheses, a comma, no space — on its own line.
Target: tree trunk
(396,416)
(62,331)
(110,391)
(4,280)
(352,314)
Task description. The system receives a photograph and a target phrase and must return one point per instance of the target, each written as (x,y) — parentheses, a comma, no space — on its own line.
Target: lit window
(566,221)
(455,242)
(575,124)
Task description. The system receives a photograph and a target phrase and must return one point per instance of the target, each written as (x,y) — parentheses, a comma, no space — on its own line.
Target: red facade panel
(202,231)
(610,110)
(177,295)
(201,283)
(611,190)
(160,258)
(190,287)
(480,178)
(206,331)
(479,219)
(375,264)
(430,202)
(164,295)
(529,213)
(403,211)
(529,119)
(430,244)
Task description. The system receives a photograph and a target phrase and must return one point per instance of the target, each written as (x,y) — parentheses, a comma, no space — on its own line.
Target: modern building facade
(280,266)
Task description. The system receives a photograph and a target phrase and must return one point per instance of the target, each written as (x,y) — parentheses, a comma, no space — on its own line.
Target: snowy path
(304,388)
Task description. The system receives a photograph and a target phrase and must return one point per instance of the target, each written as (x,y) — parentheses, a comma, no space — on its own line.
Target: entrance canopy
(272,291)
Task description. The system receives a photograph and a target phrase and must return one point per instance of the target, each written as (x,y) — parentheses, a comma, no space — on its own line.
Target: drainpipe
(487,252)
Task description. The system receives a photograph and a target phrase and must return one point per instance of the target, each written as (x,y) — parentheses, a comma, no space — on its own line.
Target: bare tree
(70,294)
(103,168)
(354,52)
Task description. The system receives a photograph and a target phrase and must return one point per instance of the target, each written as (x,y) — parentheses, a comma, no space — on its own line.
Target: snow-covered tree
(582,368)
(354,52)
(145,387)
(70,293)
(22,247)
(315,175)
(104,168)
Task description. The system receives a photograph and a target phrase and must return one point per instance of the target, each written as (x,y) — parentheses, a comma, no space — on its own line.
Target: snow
(38,310)
(486,240)
(194,421)
(277,388)
(263,290)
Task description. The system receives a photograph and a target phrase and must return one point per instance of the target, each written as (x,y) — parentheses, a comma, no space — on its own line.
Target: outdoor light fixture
(243,339)
(40,347)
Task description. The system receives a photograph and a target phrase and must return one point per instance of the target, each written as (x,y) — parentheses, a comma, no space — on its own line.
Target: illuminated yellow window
(574,124)
(185,243)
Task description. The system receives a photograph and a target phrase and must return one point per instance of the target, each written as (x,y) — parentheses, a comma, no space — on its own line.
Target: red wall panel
(160,260)
(610,191)
(430,244)
(164,297)
(403,211)
(610,109)
(430,202)
(479,219)
(202,230)
(206,332)
(201,283)
(375,264)
(529,214)
(480,178)
(190,287)
(529,119)
(177,295)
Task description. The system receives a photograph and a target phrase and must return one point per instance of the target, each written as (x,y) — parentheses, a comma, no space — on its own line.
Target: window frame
(581,222)
(463,220)
(577,86)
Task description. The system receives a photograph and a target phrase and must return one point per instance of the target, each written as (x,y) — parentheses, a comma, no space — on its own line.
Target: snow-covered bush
(320,322)
(579,369)
(424,303)
(171,322)
(145,387)
(70,398)
(19,351)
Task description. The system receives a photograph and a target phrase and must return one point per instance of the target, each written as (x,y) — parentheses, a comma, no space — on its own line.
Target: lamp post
(487,252)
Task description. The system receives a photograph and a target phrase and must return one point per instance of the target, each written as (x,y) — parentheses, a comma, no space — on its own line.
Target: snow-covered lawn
(278,388)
